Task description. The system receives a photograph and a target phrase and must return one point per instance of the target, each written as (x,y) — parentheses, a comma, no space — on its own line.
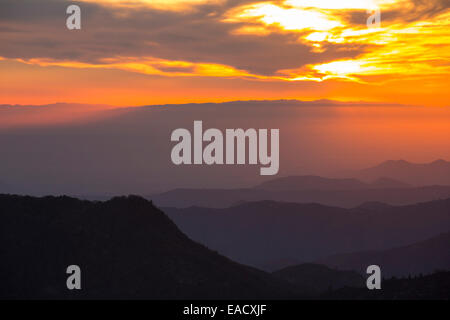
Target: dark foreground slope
(435,286)
(126,248)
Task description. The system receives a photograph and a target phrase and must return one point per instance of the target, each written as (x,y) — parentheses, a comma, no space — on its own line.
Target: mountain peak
(147,257)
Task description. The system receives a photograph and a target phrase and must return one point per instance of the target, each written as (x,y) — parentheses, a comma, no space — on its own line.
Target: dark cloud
(416,10)
(197,36)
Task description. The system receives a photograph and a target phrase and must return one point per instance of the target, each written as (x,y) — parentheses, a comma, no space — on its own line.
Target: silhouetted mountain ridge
(296,183)
(419,258)
(311,182)
(125,247)
(346,193)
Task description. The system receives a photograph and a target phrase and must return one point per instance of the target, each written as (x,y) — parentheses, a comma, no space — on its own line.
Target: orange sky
(156,52)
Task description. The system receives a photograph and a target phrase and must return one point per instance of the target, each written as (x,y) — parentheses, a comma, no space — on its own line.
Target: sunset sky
(141,52)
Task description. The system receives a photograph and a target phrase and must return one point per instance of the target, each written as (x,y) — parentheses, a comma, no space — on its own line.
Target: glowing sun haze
(132,52)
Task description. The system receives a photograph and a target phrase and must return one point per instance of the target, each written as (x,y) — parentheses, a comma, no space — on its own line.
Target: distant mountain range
(272,235)
(67,158)
(418,174)
(316,183)
(345,193)
(392,182)
(423,257)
